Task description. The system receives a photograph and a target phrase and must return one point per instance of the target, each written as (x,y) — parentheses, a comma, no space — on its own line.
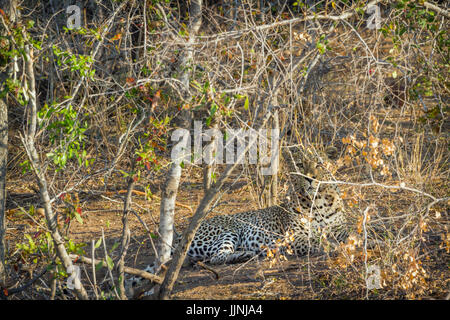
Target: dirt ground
(310,277)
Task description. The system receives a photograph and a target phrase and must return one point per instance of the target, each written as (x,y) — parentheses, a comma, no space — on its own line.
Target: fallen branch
(129,270)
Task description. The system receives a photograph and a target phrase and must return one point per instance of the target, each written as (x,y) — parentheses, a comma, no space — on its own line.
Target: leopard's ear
(310,168)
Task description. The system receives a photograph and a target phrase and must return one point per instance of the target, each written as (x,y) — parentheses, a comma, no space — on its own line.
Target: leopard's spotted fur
(310,212)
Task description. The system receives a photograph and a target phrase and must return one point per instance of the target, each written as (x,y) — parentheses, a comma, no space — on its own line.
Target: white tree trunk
(168,199)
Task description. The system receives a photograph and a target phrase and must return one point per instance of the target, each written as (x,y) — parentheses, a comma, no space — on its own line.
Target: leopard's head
(306,167)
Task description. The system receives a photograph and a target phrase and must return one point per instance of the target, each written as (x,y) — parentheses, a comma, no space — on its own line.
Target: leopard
(311,210)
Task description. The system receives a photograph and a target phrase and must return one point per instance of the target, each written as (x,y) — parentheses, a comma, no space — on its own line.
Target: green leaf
(114,247)
(99,265)
(125,174)
(71,246)
(98,243)
(153,236)
(78,217)
(109,262)
(246,103)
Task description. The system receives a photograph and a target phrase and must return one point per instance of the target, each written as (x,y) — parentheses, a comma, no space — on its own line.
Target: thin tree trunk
(10,8)
(274,157)
(208,167)
(3,164)
(125,237)
(169,194)
(28,142)
(210,152)
(167,211)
